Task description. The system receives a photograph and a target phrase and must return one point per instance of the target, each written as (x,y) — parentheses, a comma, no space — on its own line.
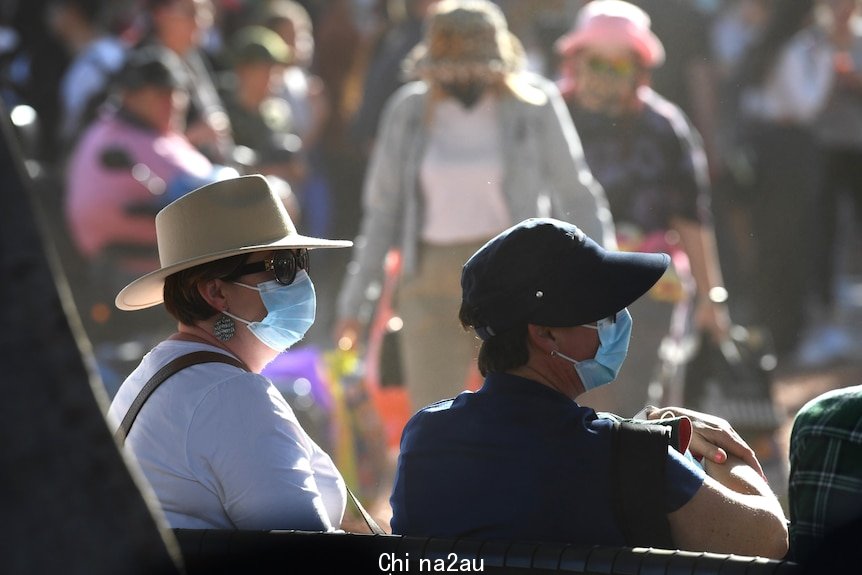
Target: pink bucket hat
(613,22)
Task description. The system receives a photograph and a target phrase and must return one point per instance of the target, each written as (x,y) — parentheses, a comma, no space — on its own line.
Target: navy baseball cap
(152,65)
(548,272)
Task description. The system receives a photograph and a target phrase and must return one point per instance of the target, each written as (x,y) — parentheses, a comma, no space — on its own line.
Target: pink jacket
(97,196)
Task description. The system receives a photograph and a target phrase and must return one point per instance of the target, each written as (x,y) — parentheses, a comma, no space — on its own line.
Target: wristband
(716,294)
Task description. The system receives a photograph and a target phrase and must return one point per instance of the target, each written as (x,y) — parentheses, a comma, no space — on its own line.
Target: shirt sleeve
(382,201)
(825,480)
(685,183)
(691,194)
(247,446)
(684,478)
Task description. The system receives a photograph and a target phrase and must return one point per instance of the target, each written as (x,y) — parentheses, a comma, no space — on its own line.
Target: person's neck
(179,46)
(245,347)
(199,335)
(81,37)
(532,373)
(842,36)
(132,114)
(250,99)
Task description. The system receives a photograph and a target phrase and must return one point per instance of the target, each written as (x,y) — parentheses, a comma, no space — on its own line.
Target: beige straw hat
(464,39)
(219,220)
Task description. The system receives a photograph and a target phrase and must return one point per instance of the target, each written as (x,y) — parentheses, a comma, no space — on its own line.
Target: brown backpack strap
(188,360)
(165,372)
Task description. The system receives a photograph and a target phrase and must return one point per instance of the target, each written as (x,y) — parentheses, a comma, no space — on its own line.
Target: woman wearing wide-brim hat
(216,440)
(473,146)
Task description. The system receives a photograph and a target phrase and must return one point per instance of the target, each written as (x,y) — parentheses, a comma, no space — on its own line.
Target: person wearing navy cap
(521,460)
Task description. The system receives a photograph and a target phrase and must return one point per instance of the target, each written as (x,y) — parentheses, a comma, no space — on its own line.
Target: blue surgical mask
(290,311)
(613,346)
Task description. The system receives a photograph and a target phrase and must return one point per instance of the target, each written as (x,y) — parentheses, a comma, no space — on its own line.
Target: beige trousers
(438,354)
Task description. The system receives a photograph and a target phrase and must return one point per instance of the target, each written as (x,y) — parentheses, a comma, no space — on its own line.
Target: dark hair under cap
(548,272)
(152,65)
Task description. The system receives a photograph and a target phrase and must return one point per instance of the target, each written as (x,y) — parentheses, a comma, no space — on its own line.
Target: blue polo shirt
(515,460)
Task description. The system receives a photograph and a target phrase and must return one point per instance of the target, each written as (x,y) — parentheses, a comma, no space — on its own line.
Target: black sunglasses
(283,264)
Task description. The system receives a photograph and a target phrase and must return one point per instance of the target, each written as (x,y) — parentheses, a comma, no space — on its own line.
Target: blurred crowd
(123,106)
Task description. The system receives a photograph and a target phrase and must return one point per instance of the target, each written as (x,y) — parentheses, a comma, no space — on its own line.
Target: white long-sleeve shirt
(797,88)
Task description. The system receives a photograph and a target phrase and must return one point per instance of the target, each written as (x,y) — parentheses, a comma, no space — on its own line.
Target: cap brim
(616,280)
(147,290)
(626,276)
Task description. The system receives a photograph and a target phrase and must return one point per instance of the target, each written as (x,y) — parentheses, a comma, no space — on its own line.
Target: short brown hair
(182,298)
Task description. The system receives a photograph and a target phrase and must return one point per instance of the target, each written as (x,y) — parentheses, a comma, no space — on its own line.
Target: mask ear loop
(255,288)
(225,327)
(556,353)
(237,318)
(227,317)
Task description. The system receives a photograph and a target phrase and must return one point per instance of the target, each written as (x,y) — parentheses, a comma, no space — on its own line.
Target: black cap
(548,272)
(152,66)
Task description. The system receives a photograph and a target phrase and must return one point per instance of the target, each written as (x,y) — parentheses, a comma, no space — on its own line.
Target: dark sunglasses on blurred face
(283,264)
(622,67)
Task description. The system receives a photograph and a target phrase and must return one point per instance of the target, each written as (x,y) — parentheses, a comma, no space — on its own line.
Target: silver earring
(224,328)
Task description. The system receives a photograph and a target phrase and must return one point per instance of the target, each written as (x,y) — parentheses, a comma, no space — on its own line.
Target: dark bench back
(263,552)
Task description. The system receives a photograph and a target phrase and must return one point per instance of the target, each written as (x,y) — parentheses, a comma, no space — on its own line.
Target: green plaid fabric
(825,490)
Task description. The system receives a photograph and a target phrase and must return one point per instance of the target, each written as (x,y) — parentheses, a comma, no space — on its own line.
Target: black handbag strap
(188,360)
(638,474)
(160,376)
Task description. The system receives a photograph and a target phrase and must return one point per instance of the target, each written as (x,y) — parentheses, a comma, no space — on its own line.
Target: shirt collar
(506,383)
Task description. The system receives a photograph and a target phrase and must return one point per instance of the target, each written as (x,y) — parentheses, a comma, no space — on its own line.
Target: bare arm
(700,246)
(734,511)
(701,84)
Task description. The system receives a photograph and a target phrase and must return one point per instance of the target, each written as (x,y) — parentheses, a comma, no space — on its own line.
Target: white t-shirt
(222,449)
(462,173)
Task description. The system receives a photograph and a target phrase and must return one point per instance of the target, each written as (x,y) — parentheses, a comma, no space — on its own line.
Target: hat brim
(148,290)
(646,45)
(627,276)
(419,64)
(616,280)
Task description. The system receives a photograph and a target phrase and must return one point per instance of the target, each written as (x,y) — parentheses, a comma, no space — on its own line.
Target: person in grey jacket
(473,146)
